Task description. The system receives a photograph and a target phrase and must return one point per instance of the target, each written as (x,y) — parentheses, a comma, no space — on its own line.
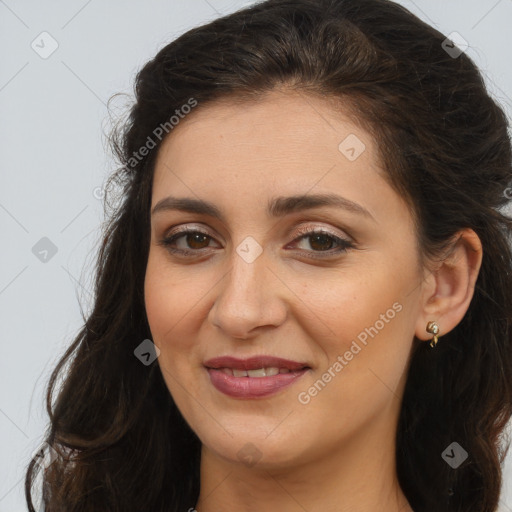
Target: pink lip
(253,387)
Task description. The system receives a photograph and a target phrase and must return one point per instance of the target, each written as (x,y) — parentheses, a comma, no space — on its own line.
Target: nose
(250,297)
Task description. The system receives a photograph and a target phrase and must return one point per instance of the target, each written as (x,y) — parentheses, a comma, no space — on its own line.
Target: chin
(255,451)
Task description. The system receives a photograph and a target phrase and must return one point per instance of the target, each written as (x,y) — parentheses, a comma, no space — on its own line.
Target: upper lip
(254,363)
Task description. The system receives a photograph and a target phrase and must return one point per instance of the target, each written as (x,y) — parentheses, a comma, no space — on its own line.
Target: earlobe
(451,287)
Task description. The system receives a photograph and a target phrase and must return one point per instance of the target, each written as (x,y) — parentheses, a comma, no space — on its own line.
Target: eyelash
(344,245)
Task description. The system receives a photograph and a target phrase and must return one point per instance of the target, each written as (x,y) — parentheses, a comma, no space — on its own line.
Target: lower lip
(252,387)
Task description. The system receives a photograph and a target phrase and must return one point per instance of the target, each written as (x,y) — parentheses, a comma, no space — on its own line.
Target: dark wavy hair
(122,444)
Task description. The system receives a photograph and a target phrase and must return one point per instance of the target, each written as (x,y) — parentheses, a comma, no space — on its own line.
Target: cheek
(352,305)
(171,301)
(158,299)
(369,315)
(171,297)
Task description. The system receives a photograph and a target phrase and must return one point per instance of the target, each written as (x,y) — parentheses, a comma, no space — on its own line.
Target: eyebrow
(276,207)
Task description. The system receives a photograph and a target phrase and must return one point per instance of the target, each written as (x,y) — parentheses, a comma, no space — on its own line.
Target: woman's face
(334,287)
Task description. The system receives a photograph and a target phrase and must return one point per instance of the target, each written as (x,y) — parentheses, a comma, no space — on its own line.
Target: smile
(253,383)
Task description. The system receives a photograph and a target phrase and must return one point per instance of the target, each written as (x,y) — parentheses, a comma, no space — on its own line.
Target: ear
(449,288)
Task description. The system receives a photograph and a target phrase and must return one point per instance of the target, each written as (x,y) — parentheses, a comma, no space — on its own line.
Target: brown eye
(196,240)
(321,241)
(322,244)
(187,242)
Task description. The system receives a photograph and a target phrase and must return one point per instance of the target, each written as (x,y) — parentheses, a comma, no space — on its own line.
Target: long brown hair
(122,443)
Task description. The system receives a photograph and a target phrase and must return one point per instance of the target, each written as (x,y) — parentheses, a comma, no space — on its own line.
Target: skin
(336,452)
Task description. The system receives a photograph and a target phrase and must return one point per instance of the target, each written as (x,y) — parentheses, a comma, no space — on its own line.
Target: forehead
(283,138)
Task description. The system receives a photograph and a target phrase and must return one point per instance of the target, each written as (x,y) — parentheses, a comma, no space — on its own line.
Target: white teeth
(260,372)
(257,373)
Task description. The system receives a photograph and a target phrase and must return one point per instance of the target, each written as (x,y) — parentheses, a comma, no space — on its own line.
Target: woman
(303,300)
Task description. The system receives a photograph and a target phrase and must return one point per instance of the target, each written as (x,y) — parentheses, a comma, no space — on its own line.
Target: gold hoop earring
(433,328)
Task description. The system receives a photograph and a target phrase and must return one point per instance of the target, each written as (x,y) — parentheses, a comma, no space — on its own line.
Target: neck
(359,475)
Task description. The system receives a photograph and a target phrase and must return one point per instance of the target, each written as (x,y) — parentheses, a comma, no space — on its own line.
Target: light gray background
(53,165)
